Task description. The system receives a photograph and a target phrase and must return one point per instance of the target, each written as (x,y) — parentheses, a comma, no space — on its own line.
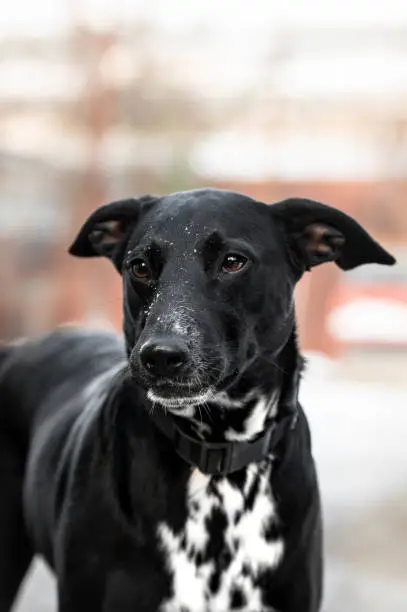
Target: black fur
(86,477)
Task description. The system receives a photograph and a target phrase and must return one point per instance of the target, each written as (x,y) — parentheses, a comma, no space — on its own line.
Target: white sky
(45,17)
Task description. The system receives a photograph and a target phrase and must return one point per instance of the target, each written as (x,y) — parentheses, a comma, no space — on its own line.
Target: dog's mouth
(178,401)
(181,397)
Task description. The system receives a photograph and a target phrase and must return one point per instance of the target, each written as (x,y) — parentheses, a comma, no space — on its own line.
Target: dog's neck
(269,391)
(229,419)
(253,406)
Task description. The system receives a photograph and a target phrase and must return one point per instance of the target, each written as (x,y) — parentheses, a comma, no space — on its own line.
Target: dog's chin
(181,400)
(179,404)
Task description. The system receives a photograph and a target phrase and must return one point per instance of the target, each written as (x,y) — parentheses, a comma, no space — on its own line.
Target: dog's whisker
(207,410)
(278,367)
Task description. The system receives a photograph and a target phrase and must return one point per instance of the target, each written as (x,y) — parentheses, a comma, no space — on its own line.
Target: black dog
(181,478)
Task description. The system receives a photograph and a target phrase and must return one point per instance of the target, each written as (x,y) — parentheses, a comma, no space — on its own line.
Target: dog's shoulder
(63,353)
(38,376)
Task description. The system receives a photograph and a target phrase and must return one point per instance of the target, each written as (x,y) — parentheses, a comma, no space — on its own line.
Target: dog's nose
(164,357)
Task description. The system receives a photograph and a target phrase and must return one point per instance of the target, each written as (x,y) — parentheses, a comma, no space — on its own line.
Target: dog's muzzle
(165,358)
(168,367)
(165,366)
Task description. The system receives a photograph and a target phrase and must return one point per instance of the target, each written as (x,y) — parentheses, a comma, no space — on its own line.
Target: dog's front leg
(81,586)
(80,595)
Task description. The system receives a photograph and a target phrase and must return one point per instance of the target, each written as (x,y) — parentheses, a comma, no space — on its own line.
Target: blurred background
(102,99)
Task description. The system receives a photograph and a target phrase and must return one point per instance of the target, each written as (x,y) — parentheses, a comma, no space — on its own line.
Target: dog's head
(208,281)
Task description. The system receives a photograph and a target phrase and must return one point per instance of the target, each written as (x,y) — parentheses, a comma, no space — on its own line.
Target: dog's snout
(164,357)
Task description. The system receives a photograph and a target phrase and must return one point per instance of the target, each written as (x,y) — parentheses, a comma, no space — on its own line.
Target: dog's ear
(108,228)
(318,233)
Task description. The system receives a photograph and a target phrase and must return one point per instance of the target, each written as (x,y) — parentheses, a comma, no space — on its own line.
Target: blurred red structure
(134,111)
(89,289)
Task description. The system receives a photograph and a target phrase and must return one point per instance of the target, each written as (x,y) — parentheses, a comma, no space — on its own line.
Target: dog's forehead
(193,215)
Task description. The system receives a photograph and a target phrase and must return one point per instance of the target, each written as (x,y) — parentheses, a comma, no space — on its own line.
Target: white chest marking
(202,582)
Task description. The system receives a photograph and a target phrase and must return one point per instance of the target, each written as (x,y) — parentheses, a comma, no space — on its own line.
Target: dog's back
(39,378)
(56,366)
(42,379)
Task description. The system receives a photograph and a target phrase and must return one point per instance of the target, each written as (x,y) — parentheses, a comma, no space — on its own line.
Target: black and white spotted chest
(230,540)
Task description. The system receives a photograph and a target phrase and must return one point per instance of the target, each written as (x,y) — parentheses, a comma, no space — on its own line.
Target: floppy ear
(318,233)
(108,228)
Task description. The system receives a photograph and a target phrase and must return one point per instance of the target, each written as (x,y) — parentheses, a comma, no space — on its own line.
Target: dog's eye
(140,269)
(233,262)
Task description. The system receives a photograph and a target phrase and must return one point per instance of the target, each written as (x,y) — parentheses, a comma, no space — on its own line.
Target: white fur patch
(244,539)
(224,399)
(255,422)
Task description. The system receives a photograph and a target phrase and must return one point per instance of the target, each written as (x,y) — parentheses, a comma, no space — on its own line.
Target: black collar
(222,458)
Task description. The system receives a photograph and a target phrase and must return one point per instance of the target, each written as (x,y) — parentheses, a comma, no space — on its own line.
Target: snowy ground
(359,433)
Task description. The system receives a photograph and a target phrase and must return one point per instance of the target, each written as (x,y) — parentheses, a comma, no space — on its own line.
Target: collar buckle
(216,458)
